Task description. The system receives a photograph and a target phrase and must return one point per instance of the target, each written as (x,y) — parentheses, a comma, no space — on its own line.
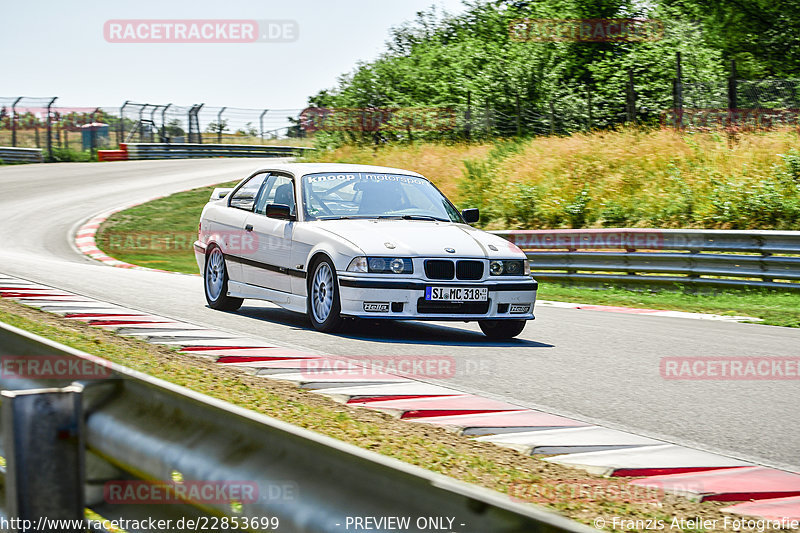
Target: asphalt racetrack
(596,366)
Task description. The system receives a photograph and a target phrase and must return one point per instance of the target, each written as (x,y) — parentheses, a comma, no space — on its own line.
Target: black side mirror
(280,211)
(470,215)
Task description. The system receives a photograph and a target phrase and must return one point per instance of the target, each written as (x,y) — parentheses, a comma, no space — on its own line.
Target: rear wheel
(502,329)
(215,281)
(324,306)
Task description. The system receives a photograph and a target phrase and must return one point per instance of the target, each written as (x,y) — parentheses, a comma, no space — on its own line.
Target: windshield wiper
(423,217)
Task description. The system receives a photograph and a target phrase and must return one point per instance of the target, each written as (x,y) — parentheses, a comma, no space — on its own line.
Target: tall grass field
(626,178)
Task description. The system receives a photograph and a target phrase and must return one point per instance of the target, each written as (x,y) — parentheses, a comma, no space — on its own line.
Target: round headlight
(397,266)
(496,268)
(514,267)
(377,264)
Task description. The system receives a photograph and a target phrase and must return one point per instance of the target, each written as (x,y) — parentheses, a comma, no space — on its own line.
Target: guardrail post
(44,447)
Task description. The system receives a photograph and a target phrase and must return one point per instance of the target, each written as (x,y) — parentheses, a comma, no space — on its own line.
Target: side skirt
(292,302)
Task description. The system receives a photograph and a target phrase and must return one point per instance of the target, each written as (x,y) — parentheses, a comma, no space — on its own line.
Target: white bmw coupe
(336,241)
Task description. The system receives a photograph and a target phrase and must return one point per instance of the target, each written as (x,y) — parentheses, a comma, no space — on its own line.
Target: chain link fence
(726,104)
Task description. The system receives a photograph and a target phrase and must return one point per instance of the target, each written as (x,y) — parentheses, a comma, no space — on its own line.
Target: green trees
(471,58)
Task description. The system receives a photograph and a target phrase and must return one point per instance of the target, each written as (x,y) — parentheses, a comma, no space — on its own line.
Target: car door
(270,265)
(226,227)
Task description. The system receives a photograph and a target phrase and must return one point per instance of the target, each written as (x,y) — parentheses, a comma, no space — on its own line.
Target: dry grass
(631,161)
(630,177)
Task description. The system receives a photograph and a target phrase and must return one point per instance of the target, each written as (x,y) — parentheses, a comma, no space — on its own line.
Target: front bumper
(200,255)
(382,298)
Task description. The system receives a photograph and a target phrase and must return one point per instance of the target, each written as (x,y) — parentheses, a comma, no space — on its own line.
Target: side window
(244,198)
(276,190)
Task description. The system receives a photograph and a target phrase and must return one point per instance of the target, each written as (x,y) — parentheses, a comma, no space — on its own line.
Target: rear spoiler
(219,193)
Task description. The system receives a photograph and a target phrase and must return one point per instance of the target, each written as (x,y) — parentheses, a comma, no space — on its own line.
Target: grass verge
(574,493)
(774,308)
(157,234)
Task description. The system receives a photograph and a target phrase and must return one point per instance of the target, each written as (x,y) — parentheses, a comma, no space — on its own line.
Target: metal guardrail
(9,154)
(191,151)
(656,257)
(81,436)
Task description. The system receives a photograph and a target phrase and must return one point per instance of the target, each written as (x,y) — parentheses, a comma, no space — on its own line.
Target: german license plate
(457,294)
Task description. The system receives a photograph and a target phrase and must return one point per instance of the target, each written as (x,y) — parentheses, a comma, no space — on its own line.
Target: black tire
(502,329)
(324,306)
(215,282)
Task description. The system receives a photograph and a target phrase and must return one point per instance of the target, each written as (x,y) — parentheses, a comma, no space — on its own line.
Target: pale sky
(57,48)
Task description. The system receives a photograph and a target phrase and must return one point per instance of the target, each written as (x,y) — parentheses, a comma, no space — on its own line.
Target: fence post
(194,123)
(589,106)
(219,125)
(677,93)
(486,118)
(141,114)
(50,130)
(121,128)
(153,121)
(468,116)
(631,98)
(164,122)
(197,123)
(552,117)
(519,117)
(190,129)
(14,121)
(43,443)
(732,103)
(261,124)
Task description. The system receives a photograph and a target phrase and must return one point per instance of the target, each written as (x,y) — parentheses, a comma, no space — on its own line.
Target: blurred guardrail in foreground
(131,151)
(120,443)
(663,257)
(20,155)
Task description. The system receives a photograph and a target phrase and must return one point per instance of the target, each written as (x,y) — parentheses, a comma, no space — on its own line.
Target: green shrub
(66,155)
(577,212)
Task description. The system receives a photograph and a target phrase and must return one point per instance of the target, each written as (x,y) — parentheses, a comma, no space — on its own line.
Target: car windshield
(366,195)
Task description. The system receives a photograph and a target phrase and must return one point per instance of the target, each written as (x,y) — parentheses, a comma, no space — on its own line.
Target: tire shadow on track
(390,331)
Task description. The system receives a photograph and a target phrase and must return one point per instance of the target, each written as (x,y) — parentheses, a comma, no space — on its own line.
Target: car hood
(419,238)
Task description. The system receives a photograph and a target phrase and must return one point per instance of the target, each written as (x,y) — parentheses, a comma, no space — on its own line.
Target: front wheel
(502,329)
(215,281)
(324,306)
